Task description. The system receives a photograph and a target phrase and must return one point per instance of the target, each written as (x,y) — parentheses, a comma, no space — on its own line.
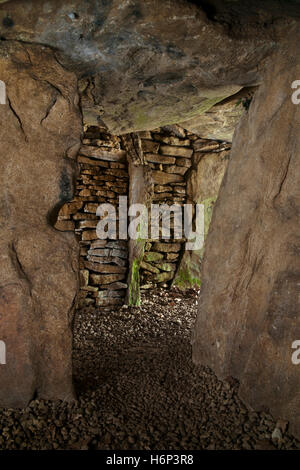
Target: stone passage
(185,169)
(182,167)
(168,153)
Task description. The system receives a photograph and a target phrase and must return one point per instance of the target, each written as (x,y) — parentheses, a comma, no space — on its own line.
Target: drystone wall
(180,164)
(103,177)
(185,170)
(168,153)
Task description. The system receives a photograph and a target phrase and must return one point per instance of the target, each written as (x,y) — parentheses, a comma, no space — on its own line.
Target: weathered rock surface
(203,185)
(153,63)
(249,303)
(220,121)
(140,191)
(39,137)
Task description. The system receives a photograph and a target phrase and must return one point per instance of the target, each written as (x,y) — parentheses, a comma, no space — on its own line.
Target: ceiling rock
(152,63)
(220,121)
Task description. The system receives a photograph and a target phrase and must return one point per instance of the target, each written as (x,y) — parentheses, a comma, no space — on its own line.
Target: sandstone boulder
(39,137)
(249,313)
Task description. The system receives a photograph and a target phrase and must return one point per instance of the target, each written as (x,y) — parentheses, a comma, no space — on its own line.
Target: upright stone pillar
(140,190)
(39,137)
(249,312)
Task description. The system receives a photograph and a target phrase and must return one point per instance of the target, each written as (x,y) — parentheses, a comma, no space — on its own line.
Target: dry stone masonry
(176,161)
(185,169)
(168,152)
(103,177)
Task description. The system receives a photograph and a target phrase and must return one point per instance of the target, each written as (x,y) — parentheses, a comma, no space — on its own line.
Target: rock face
(209,163)
(39,137)
(249,304)
(220,121)
(152,63)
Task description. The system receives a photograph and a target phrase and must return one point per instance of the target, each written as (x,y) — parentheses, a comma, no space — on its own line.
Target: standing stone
(203,184)
(39,137)
(249,313)
(140,191)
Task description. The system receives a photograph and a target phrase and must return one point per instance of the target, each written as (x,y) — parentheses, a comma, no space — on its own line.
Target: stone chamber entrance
(142,343)
(136,386)
(175,160)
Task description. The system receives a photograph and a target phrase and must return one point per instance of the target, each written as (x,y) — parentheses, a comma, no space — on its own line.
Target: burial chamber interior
(154,141)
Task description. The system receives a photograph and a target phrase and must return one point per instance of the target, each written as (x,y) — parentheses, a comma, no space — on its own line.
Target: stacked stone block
(103,177)
(168,152)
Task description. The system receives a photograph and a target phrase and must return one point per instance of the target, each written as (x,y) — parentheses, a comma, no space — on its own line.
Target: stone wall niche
(39,135)
(249,313)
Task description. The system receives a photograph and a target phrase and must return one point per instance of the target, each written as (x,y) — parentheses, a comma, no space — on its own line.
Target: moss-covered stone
(168,267)
(134,297)
(185,280)
(163,277)
(203,186)
(151,256)
(142,119)
(149,267)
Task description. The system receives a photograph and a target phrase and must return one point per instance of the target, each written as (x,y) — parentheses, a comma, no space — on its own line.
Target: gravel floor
(138,389)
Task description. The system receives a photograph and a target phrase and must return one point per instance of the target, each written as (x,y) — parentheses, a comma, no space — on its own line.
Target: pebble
(138,389)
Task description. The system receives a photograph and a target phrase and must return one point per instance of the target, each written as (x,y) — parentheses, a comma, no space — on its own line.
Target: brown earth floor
(138,389)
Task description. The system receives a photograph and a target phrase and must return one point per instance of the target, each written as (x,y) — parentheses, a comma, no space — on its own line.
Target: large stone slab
(249,313)
(153,63)
(220,121)
(39,137)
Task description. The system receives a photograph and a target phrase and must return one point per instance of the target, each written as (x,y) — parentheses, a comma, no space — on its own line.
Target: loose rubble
(138,389)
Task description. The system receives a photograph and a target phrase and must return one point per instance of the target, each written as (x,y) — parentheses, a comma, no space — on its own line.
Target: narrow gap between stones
(136,384)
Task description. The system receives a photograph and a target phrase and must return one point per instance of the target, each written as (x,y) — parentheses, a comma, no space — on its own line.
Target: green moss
(184,279)
(134,297)
(141,117)
(208,211)
(163,277)
(189,273)
(165,266)
(153,256)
